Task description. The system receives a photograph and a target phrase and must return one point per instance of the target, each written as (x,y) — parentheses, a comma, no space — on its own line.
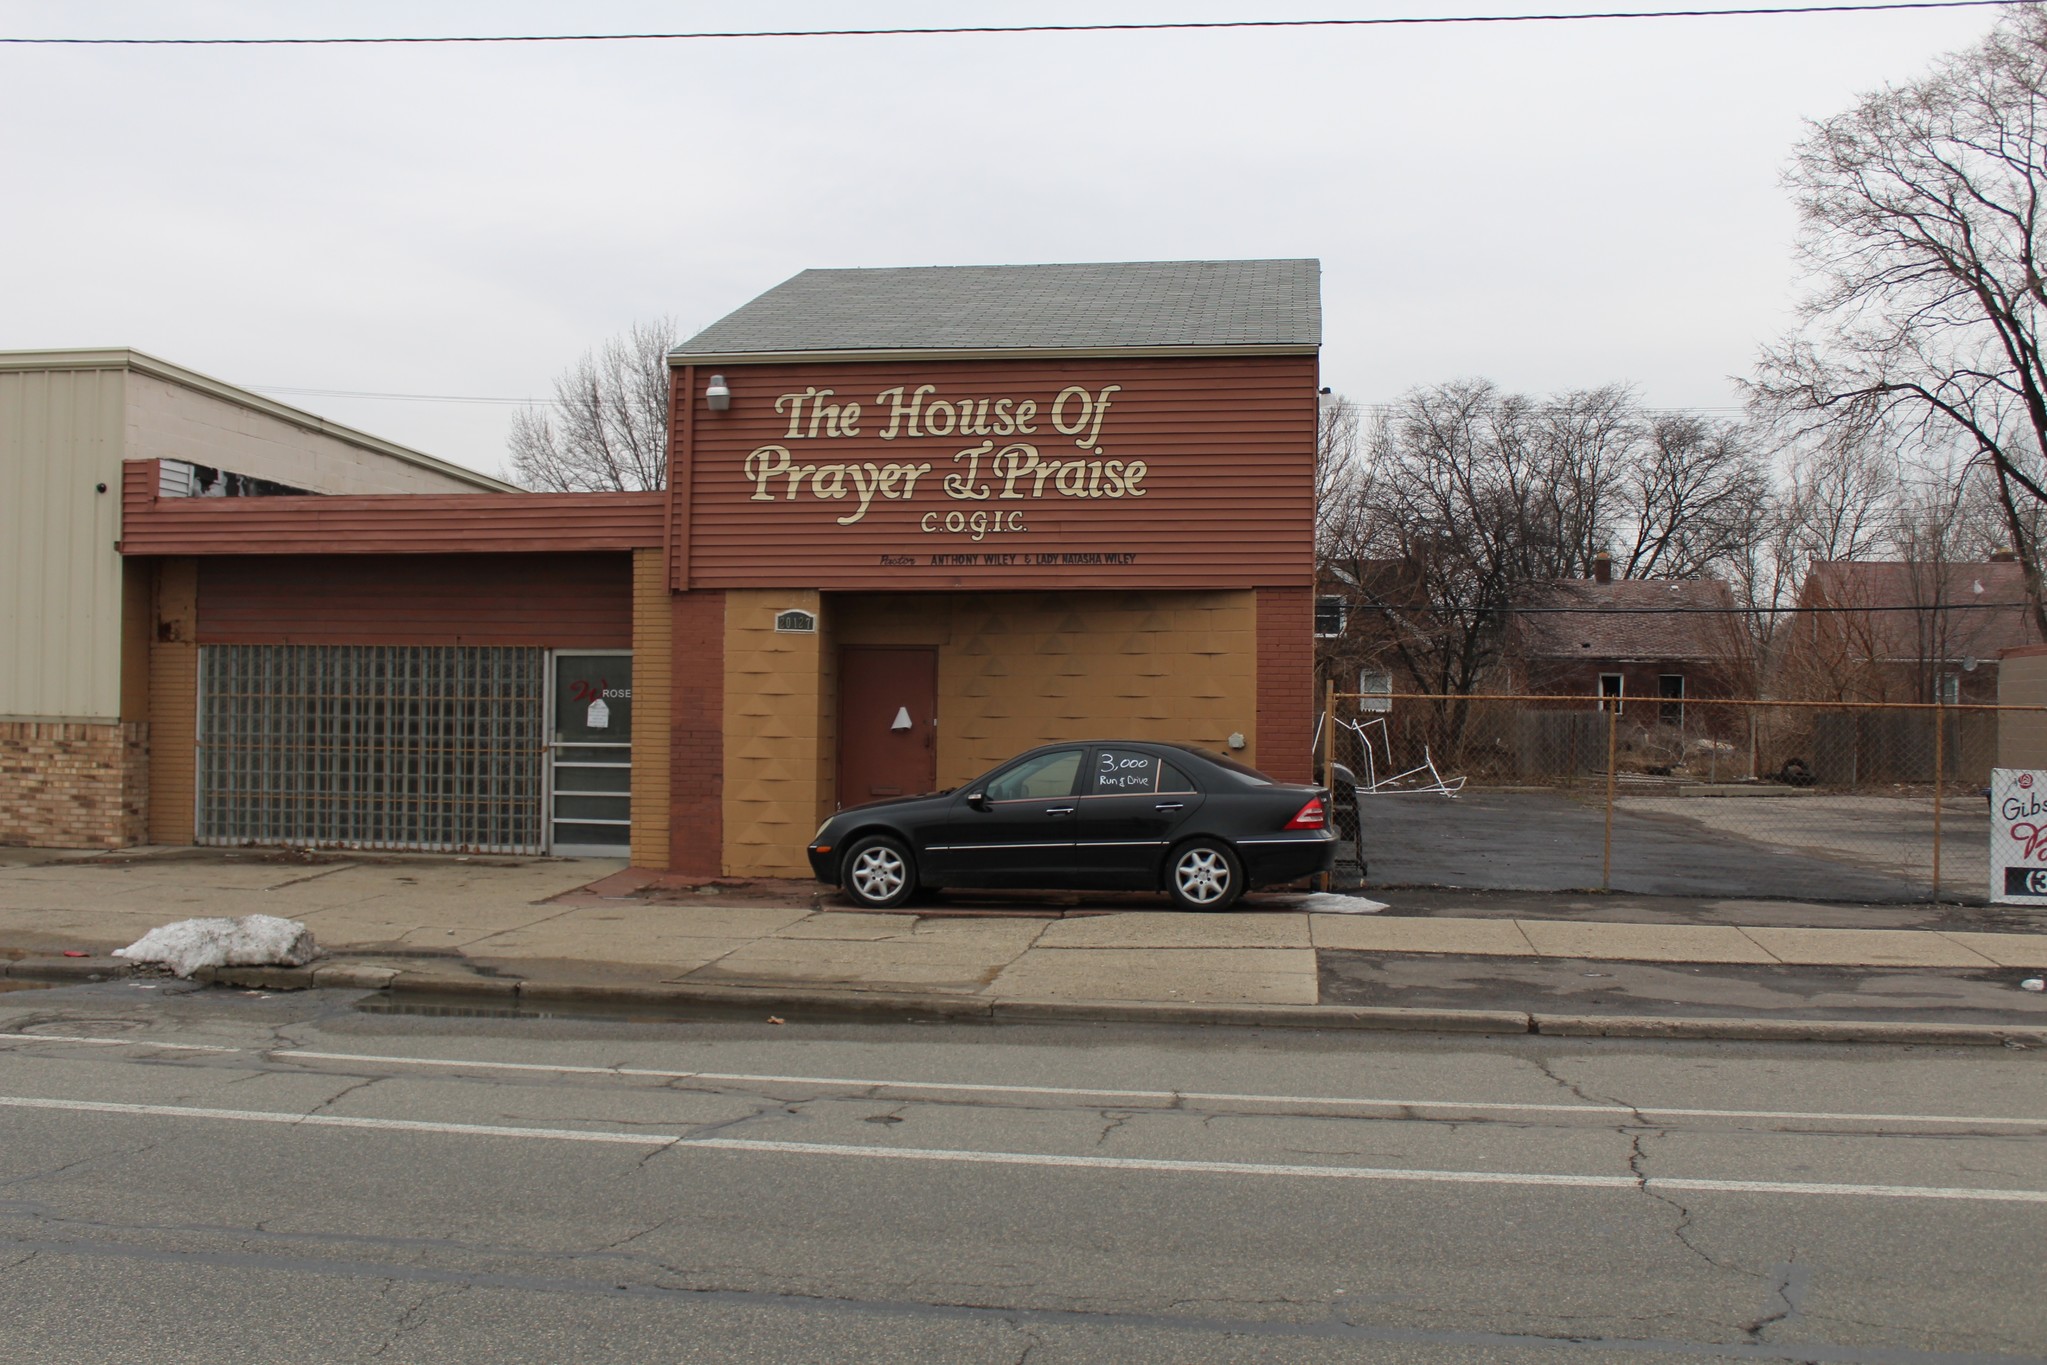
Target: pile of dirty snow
(251,941)
(1336,903)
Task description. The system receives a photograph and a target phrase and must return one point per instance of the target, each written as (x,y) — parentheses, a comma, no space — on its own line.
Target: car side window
(1124,772)
(1171,779)
(1046,775)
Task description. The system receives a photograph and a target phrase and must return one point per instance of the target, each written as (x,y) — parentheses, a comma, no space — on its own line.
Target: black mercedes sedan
(1109,815)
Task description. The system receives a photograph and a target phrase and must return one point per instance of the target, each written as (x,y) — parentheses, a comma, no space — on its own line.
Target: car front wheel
(877,873)
(1204,875)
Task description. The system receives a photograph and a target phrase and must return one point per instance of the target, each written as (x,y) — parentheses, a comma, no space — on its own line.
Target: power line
(285,390)
(298,392)
(1176,26)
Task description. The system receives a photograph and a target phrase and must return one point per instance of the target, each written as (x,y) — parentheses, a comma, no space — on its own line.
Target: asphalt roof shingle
(1989,596)
(1126,305)
(1625,619)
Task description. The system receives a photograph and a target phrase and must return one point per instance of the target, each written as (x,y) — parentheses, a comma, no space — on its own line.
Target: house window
(1329,617)
(1951,688)
(1375,690)
(1670,688)
(1609,691)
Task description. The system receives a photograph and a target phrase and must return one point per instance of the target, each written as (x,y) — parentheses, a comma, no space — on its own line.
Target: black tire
(877,873)
(1204,875)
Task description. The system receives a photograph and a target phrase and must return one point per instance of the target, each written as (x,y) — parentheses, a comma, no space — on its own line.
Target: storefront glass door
(591,749)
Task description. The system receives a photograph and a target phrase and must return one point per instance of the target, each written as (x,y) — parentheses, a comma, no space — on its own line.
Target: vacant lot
(1800,845)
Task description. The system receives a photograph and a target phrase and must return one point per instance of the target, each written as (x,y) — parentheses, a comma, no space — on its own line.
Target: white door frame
(554,745)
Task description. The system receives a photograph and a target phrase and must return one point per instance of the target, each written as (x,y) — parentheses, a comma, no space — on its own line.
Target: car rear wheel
(877,873)
(1204,875)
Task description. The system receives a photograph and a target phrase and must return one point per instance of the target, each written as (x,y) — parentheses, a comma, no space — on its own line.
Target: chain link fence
(1707,798)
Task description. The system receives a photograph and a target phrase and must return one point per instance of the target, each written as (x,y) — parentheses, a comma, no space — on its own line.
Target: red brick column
(1286,682)
(696,808)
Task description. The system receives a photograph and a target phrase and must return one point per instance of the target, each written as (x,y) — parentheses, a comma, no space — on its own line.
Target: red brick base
(1286,682)
(65,785)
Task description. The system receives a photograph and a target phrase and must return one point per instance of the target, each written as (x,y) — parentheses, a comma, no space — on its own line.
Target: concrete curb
(66,970)
(772,998)
(1786,1030)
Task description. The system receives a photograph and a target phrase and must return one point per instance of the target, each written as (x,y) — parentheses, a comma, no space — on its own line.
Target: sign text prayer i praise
(1005,465)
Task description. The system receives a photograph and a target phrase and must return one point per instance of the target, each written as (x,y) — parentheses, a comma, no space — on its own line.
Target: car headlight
(821,829)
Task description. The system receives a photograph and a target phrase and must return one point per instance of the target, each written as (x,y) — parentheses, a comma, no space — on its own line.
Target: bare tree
(1466,500)
(1838,498)
(1922,213)
(1693,496)
(608,430)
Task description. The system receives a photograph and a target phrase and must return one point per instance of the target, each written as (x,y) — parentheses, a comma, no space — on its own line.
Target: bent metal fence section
(1708,798)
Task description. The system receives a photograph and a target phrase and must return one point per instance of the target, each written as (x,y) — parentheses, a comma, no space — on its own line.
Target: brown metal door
(888,722)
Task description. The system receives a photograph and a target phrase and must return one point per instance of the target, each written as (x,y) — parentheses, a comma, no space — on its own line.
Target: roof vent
(796,623)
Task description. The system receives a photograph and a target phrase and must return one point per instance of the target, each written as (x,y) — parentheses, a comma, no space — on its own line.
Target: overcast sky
(1547,205)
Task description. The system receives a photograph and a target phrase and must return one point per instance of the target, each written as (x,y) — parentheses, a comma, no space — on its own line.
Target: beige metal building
(75,621)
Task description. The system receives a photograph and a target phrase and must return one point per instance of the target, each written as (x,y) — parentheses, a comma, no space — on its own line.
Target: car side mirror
(978,800)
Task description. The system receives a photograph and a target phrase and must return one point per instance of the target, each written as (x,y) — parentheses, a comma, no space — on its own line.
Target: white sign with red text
(2018,836)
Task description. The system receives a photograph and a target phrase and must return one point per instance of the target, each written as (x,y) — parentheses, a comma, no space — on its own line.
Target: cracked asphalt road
(193,1175)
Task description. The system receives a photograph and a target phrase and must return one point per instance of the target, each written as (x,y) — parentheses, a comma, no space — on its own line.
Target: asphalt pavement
(1547,841)
(208,1175)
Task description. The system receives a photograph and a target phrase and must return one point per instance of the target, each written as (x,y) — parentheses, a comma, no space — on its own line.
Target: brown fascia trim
(392,523)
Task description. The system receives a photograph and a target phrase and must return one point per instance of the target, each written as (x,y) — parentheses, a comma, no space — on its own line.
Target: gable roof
(1183,307)
(1989,598)
(1631,618)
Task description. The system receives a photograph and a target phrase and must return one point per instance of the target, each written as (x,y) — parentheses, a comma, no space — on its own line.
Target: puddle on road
(6,986)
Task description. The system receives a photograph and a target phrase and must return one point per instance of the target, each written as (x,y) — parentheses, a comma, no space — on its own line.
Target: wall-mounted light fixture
(717,397)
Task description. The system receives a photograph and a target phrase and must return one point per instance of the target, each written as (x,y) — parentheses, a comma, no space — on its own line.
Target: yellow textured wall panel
(174,703)
(775,730)
(1021,669)
(653,674)
(1014,670)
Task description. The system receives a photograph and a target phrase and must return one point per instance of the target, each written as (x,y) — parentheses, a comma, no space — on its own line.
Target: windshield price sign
(2018,836)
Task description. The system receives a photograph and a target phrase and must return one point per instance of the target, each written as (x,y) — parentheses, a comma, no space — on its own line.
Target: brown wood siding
(407,523)
(1227,496)
(553,601)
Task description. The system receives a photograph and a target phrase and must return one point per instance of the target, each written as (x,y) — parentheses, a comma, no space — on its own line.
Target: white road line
(1165,1096)
(115,1042)
(1044,1159)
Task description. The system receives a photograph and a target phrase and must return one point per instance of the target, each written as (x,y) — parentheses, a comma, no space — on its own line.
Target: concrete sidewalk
(585,930)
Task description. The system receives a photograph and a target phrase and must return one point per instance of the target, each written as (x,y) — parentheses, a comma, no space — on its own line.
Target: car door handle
(1060,810)
(1170,805)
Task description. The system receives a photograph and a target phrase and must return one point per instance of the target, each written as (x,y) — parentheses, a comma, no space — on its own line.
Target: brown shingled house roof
(1992,596)
(1632,618)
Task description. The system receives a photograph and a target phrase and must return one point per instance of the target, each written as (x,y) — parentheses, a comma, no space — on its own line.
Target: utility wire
(1707,611)
(280,389)
(1175,26)
(296,392)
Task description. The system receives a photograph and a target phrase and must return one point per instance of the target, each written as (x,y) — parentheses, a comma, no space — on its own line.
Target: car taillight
(1310,816)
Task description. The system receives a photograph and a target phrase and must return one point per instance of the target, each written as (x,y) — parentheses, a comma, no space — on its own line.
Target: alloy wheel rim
(1203,876)
(878,873)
